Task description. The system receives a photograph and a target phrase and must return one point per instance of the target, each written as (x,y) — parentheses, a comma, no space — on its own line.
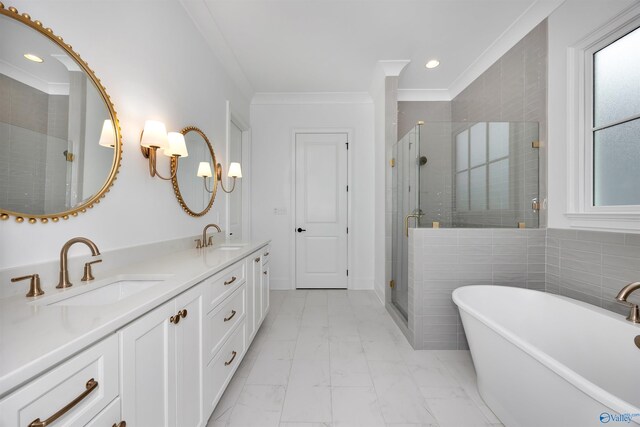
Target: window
(482,167)
(614,134)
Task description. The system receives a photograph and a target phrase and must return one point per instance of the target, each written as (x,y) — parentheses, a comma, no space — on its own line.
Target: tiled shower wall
(441,260)
(33,137)
(588,266)
(513,89)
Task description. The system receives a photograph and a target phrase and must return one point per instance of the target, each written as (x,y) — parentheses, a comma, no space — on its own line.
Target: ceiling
(286,46)
(50,76)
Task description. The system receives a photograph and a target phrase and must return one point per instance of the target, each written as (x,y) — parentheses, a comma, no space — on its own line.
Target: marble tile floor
(336,358)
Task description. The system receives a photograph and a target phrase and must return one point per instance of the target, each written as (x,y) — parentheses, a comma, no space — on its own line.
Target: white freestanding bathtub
(546,360)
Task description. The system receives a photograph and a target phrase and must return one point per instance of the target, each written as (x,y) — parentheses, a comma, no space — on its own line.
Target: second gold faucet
(203,243)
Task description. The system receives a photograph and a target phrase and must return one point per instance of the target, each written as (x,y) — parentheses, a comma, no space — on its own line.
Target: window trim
(580,209)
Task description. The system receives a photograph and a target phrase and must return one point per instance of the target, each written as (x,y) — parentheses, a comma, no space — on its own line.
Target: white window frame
(581,210)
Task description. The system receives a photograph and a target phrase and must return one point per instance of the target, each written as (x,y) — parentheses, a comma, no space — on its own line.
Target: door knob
(300,230)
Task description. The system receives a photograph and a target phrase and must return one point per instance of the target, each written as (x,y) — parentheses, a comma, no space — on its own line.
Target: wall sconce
(204,171)
(154,137)
(234,172)
(108,135)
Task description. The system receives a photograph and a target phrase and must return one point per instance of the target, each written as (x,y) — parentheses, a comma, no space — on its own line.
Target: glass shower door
(405,201)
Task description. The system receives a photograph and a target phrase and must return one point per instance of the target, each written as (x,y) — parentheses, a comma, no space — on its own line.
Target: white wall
(154,64)
(272,181)
(568,25)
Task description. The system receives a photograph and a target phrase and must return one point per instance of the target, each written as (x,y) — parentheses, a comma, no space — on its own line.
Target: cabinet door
(253,297)
(148,369)
(265,291)
(189,358)
(257,283)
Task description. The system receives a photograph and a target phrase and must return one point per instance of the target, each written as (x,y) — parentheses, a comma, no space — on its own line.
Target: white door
(321,210)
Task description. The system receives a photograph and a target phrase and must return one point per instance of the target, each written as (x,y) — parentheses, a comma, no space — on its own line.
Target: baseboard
(362,283)
(280,284)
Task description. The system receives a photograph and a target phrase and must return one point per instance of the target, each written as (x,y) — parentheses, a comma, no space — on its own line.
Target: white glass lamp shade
(108,135)
(204,170)
(234,170)
(177,145)
(154,135)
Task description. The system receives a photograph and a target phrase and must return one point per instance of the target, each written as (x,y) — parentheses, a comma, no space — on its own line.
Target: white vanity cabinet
(161,364)
(167,368)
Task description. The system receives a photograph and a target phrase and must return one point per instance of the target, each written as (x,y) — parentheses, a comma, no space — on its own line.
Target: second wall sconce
(204,171)
(155,137)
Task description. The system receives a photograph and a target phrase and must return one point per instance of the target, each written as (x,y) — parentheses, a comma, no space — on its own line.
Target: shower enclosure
(460,174)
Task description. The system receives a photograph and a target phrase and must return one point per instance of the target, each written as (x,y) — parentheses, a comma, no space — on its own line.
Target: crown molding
(204,21)
(296,98)
(18,74)
(526,22)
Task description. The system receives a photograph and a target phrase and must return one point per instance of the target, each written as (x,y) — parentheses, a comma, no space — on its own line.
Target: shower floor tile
(336,358)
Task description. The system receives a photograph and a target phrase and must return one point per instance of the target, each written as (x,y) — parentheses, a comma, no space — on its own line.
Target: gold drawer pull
(120,424)
(175,319)
(233,279)
(233,313)
(183,313)
(227,363)
(257,259)
(264,272)
(91,385)
(266,254)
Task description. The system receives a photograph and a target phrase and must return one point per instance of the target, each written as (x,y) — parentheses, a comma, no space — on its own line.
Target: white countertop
(35,337)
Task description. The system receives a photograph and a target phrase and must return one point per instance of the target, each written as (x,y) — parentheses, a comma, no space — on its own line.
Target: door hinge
(535,204)
(347,230)
(347,272)
(347,145)
(392,284)
(347,188)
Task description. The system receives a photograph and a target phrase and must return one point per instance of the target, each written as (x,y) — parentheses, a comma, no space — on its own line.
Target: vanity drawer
(223,284)
(69,381)
(266,254)
(222,320)
(110,416)
(220,370)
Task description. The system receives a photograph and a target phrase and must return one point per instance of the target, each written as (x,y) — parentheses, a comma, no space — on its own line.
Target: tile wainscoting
(585,265)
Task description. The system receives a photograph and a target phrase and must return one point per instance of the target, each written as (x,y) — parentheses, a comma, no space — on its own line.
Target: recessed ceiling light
(432,63)
(32,57)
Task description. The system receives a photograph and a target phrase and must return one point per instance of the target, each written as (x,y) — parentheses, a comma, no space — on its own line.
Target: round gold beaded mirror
(60,139)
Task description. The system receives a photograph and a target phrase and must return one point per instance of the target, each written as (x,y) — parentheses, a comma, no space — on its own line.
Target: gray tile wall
(442,260)
(511,90)
(592,266)
(33,136)
(589,266)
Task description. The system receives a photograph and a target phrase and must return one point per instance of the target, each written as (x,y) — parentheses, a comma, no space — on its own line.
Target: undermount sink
(107,292)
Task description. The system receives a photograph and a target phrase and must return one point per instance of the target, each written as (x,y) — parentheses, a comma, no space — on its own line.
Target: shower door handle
(406,222)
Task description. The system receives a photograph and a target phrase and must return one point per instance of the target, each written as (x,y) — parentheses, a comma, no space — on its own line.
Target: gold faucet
(64,273)
(634,314)
(204,242)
